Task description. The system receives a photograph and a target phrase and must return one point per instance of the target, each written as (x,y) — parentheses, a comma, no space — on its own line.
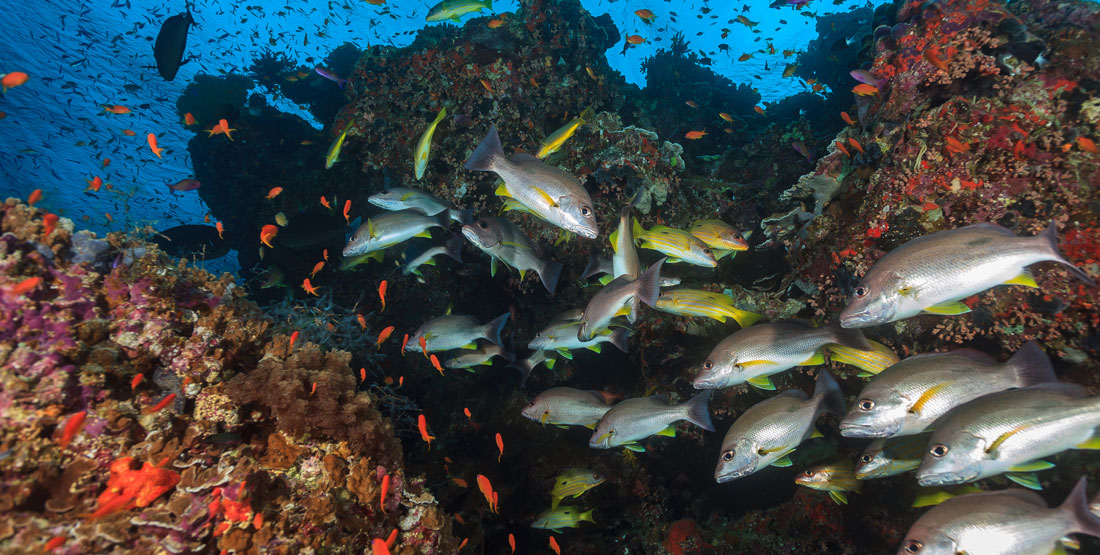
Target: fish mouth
(861,319)
(933,479)
(584,230)
(723,477)
(862,431)
(707,383)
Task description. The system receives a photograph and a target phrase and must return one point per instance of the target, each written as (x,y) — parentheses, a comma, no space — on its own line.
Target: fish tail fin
(634,305)
(828,394)
(587,115)
(637,230)
(524,369)
(593,267)
(648,285)
(698,410)
(587,515)
(493,328)
(507,355)
(439,117)
(619,339)
(1032,365)
(486,155)
(454,248)
(744,317)
(851,337)
(1049,239)
(461,215)
(1077,504)
(549,275)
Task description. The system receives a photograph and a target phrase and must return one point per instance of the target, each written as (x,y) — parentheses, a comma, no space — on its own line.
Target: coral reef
(150,407)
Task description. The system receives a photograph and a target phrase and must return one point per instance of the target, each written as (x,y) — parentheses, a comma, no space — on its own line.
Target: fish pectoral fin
(816,433)
(522,274)
(425,233)
(634,447)
(927,497)
(605,279)
(1068,542)
(493,267)
(549,200)
(594,348)
(370,229)
(815,359)
(926,397)
(502,191)
(624,311)
(550,366)
(762,382)
(1091,444)
(1032,466)
(565,353)
(1027,479)
(839,497)
(783,461)
(950,308)
(667,432)
(674,260)
(1025,278)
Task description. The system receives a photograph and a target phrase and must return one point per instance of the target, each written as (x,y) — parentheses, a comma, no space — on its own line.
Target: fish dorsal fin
(1025,278)
(926,397)
(950,308)
(762,382)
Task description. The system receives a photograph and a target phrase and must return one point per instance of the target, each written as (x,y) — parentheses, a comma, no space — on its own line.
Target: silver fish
(561,336)
(1011,521)
(598,265)
(503,241)
(933,273)
(391,228)
(770,429)
(892,456)
(565,406)
(907,397)
(614,300)
(633,420)
(456,332)
(482,356)
(405,198)
(624,261)
(546,191)
(1010,431)
(423,251)
(752,354)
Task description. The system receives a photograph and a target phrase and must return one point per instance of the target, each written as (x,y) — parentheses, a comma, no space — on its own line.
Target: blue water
(82,55)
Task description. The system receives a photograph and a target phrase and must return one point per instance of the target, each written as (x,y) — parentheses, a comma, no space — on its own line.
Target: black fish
(185,241)
(171,42)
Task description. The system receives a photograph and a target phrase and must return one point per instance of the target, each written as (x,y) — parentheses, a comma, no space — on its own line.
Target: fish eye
(866,405)
(706,251)
(861,291)
(727,456)
(938,450)
(708,365)
(865,458)
(809,473)
(482,224)
(585,211)
(913,546)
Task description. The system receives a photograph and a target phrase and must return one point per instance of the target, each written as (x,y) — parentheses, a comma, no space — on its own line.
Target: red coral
(129,487)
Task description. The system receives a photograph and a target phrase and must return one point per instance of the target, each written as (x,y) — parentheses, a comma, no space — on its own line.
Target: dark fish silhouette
(171,42)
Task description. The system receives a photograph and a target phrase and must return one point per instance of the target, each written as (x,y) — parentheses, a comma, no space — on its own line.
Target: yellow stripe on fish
(871,362)
(679,245)
(696,302)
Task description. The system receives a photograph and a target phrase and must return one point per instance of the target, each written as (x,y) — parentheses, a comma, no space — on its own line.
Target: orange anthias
(863,89)
(635,39)
(267,233)
(1086,144)
(274,192)
(13,79)
(422,425)
(500,446)
(487,490)
(94,184)
(955,146)
(25,285)
(855,144)
(382,293)
(694,135)
(554,545)
(72,426)
(847,119)
(49,223)
(310,288)
(347,211)
(324,202)
(382,337)
(840,147)
(221,229)
(385,490)
(436,365)
(317,268)
(116,109)
(151,140)
(36,195)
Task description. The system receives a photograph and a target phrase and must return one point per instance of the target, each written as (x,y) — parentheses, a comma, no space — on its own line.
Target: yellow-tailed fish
(891,456)
(565,406)
(721,237)
(573,483)
(455,9)
(424,145)
(456,331)
(929,497)
(631,421)
(679,245)
(553,142)
(696,302)
(333,154)
(837,478)
(561,517)
(504,241)
(391,228)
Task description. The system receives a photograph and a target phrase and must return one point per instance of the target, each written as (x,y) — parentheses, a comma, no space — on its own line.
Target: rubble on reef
(148,406)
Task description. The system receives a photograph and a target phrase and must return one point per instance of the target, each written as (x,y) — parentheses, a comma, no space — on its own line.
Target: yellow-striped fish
(892,456)
(696,302)
(680,246)
(561,517)
(424,145)
(553,142)
(835,478)
(333,154)
(573,483)
(721,237)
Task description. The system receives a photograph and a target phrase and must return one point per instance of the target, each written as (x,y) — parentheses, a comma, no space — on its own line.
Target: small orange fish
(485,83)
(267,233)
(94,184)
(49,223)
(512,543)
(487,490)
(382,337)
(955,146)
(500,446)
(362,375)
(313,389)
(317,268)
(54,543)
(759,110)
(435,364)
(635,39)
(72,427)
(378,547)
(110,219)
(695,135)
(25,285)
(12,80)
(106,162)
(163,403)
(847,119)
(189,119)
(362,321)
(225,128)
(463,543)
(855,144)
(309,287)
(744,57)
(934,59)
(382,293)
(466,411)
(863,89)
(221,229)
(293,338)
(258,521)
(137,380)
(347,210)
(840,147)
(404,342)
(385,490)
(1086,144)
(691,103)
(36,195)
(422,425)
(274,192)
(129,132)
(151,140)
(647,16)
(324,254)
(116,109)
(324,202)
(494,23)
(459,482)
(725,116)
(554,545)
(400,381)
(424,346)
